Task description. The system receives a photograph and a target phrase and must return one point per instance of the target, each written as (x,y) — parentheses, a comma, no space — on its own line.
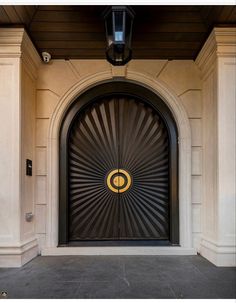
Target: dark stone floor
(119,277)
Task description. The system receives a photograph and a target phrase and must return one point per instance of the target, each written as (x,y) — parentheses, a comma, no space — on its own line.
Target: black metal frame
(131,89)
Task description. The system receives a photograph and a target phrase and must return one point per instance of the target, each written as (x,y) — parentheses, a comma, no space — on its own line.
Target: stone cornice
(10,42)
(30,55)
(220,43)
(15,43)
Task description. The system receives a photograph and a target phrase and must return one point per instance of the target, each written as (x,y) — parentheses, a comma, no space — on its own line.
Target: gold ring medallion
(118,180)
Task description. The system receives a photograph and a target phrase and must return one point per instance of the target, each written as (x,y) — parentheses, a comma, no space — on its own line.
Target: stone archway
(123,129)
(184,140)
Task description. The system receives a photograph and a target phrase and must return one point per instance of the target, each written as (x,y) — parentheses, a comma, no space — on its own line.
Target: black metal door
(118,172)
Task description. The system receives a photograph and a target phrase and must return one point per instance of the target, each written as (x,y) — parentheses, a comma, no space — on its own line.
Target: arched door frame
(140,93)
(183,125)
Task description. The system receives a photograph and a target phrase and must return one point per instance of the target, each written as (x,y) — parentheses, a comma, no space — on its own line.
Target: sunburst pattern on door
(118,162)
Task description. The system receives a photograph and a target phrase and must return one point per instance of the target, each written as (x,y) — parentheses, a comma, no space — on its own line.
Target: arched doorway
(119,168)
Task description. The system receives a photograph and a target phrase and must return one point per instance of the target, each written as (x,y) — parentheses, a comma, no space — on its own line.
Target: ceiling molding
(15,43)
(78,31)
(221,42)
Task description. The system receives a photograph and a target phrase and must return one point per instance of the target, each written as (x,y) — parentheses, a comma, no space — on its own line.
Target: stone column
(217,61)
(18,70)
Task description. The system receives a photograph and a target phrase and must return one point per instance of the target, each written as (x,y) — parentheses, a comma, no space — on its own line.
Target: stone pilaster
(217,61)
(18,72)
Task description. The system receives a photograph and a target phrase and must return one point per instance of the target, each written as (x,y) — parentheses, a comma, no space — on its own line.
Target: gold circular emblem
(118,180)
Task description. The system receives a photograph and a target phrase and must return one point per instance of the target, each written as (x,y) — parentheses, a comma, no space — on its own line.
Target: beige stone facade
(33,98)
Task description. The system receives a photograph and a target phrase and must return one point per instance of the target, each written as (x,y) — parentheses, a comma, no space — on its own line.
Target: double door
(118,172)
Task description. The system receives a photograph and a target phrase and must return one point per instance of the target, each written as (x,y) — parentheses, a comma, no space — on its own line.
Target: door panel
(143,152)
(118,172)
(93,152)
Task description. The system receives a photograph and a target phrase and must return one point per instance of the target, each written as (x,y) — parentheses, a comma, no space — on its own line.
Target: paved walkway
(119,277)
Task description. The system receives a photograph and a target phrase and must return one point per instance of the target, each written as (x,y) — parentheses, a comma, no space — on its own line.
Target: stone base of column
(220,255)
(17,256)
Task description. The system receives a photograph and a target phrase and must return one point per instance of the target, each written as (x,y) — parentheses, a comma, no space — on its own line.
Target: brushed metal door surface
(118,172)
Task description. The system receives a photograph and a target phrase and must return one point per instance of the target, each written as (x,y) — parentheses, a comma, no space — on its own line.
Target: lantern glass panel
(109,29)
(128,29)
(118,26)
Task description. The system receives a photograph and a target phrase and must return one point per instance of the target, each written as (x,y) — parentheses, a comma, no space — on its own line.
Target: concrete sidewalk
(119,277)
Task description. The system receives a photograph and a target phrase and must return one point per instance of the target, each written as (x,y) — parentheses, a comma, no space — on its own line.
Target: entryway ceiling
(159,32)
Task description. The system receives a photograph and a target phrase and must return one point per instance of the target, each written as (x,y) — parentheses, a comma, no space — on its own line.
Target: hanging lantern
(118,23)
